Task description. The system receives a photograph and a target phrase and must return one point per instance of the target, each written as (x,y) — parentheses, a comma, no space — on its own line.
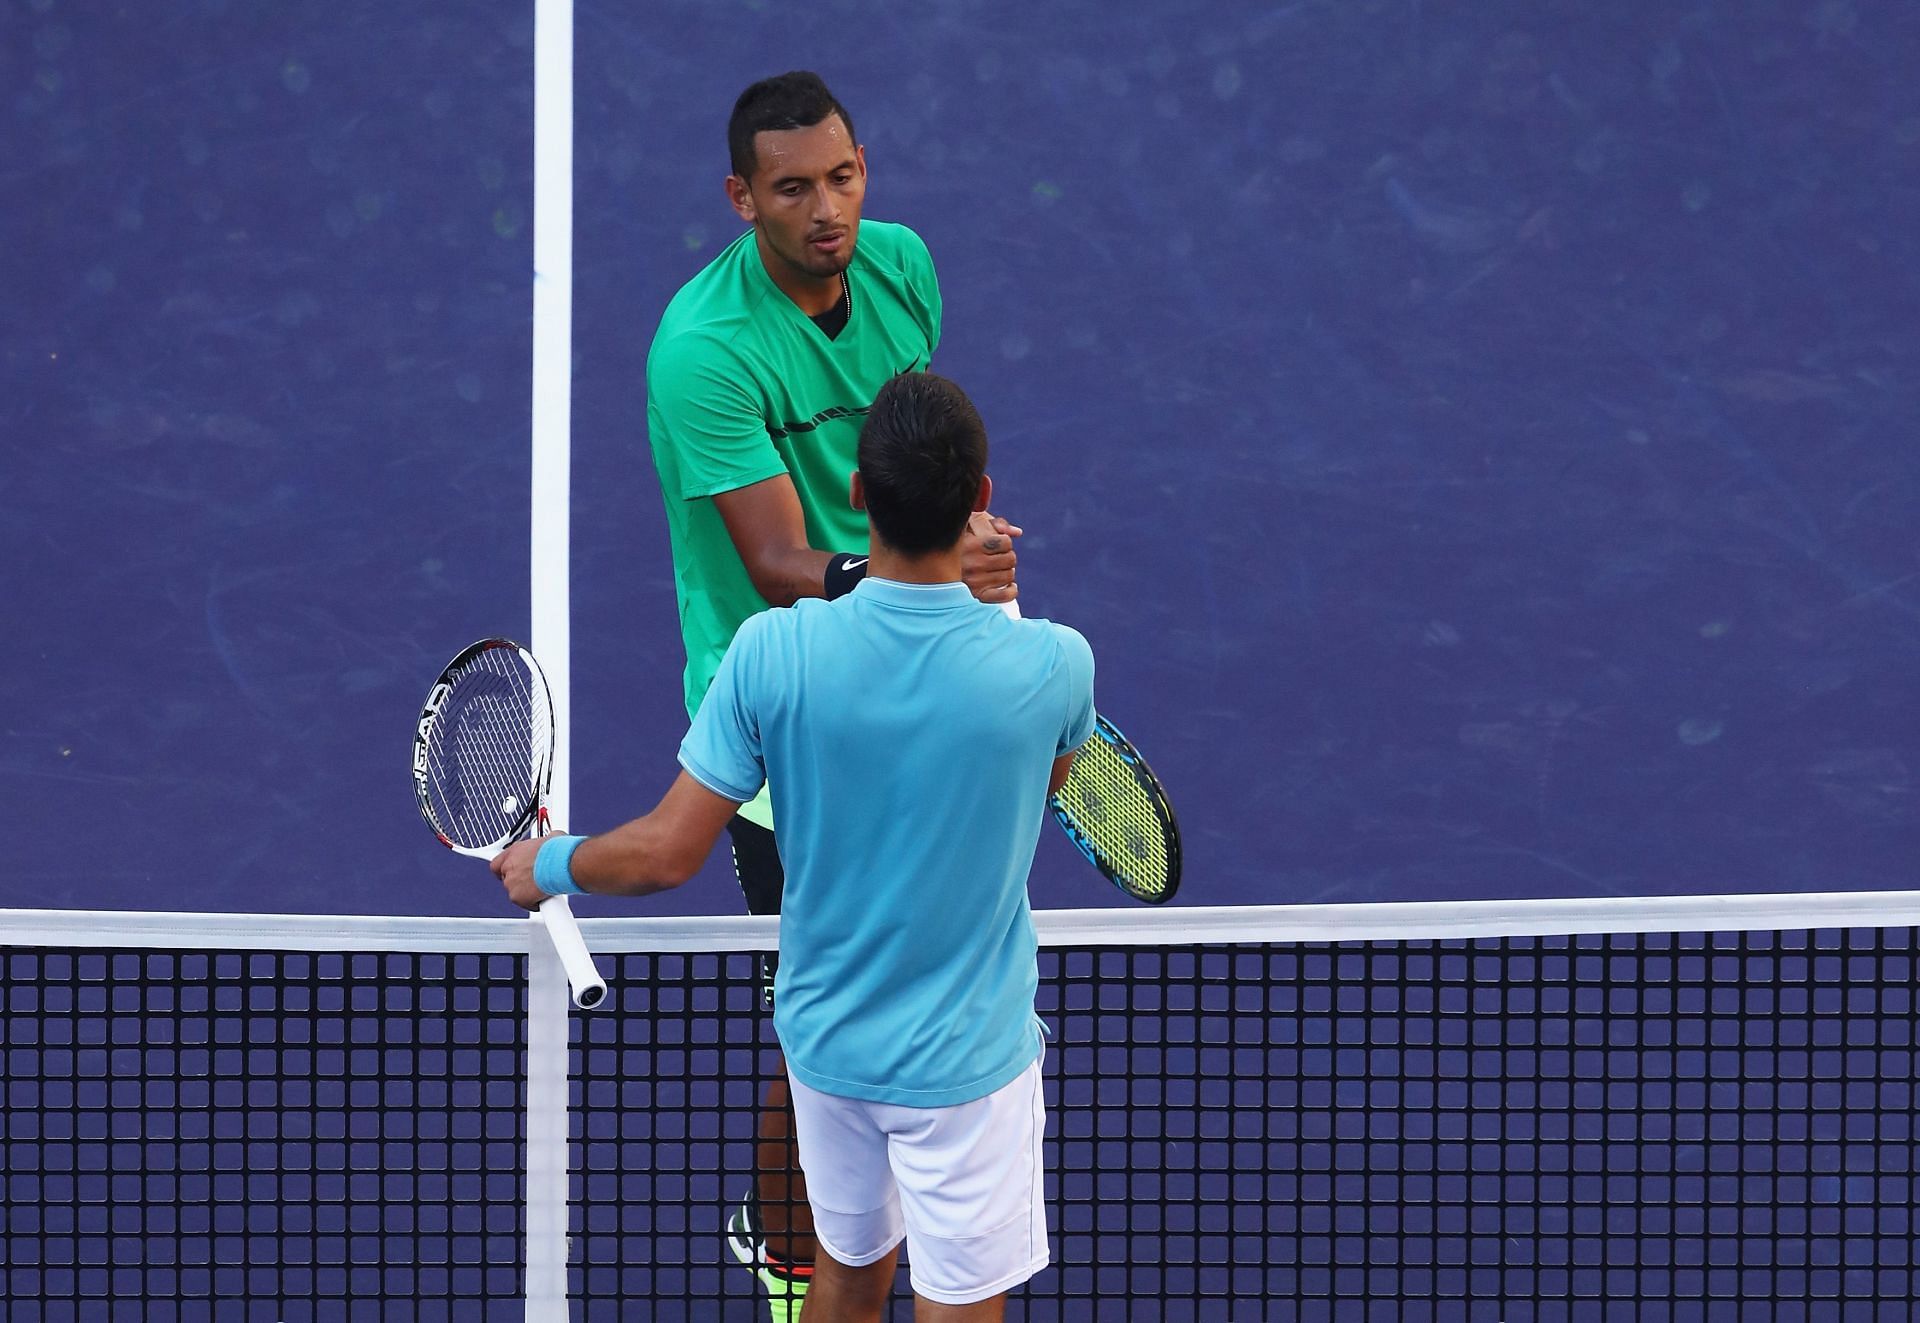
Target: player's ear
(985,499)
(741,198)
(856,493)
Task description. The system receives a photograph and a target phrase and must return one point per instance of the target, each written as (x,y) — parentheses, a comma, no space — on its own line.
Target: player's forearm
(769,531)
(785,575)
(635,860)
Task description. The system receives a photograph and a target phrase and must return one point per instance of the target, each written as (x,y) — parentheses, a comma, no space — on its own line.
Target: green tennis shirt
(742,387)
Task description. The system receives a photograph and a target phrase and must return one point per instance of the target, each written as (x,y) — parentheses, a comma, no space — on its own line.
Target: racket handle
(589,989)
(1012,609)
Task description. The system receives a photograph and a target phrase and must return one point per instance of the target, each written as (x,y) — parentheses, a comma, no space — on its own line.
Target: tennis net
(1659,1109)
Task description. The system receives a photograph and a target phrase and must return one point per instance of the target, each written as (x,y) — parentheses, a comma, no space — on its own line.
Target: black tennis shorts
(756,862)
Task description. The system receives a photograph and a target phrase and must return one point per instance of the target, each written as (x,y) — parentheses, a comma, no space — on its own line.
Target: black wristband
(844,570)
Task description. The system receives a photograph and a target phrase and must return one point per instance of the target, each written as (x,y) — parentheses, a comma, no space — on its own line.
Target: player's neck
(934,567)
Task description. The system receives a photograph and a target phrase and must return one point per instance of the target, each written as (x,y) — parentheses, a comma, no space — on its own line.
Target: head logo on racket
(483,749)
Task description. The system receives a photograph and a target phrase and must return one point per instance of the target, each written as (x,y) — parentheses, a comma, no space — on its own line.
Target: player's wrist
(844,572)
(553,866)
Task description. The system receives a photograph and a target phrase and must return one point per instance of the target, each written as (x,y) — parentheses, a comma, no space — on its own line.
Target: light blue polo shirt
(907,732)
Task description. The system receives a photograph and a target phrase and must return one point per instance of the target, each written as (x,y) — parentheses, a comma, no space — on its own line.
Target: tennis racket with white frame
(1116,813)
(482,766)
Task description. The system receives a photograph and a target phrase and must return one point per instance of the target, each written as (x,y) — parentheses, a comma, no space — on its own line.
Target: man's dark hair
(923,450)
(797,100)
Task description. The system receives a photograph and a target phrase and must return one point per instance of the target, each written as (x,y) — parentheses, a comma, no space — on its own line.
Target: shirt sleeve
(722,749)
(1077,663)
(710,416)
(930,291)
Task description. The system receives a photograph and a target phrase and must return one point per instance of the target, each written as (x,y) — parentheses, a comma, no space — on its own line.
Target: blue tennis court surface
(1477,440)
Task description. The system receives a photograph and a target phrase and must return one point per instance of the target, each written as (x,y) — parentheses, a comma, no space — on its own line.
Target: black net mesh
(1666,1127)
(258,1136)
(1525,1130)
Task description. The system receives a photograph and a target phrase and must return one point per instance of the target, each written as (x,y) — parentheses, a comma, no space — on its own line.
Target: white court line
(549,575)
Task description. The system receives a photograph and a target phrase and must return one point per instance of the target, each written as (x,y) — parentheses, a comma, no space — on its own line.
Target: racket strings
(486,750)
(1116,812)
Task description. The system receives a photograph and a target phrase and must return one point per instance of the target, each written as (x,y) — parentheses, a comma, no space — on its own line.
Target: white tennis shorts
(961,1184)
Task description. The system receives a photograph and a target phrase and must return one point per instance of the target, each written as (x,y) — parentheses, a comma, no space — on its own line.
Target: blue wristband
(553,866)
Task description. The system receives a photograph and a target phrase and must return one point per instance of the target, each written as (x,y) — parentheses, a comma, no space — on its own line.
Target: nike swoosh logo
(855,564)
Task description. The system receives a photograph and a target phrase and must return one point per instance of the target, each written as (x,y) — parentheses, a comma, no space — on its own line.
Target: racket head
(483,749)
(1114,809)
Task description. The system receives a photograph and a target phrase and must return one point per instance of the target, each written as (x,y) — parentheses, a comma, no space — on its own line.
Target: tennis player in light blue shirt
(910,737)
(908,734)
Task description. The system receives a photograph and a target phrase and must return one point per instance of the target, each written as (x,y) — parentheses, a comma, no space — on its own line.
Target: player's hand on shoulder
(514,867)
(987,558)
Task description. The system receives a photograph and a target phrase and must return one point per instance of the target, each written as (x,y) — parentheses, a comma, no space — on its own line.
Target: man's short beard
(806,263)
(839,265)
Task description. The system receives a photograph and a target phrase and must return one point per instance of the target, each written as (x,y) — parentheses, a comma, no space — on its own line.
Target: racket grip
(589,989)
(1012,609)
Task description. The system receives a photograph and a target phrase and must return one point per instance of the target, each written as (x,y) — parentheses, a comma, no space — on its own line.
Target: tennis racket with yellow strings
(1115,811)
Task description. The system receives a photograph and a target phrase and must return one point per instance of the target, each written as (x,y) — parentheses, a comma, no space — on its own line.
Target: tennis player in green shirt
(758,380)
